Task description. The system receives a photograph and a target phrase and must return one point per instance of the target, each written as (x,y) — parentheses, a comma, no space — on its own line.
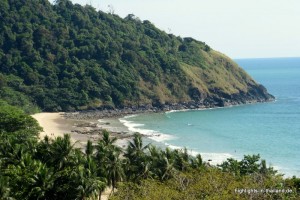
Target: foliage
(55,169)
(71,57)
(247,166)
(206,184)
(15,121)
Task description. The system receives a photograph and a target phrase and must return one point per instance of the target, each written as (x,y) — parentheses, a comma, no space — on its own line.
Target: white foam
(173,146)
(182,110)
(198,109)
(101,121)
(212,158)
(129,116)
(216,158)
(286,171)
(152,134)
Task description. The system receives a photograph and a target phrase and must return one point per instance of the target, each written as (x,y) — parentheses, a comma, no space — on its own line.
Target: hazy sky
(238,28)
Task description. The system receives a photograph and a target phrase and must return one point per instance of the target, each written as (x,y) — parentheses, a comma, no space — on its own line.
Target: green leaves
(14,121)
(55,169)
(249,165)
(66,57)
(108,159)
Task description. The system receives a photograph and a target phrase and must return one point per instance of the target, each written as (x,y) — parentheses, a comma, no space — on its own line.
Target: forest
(67,57)
(49,169)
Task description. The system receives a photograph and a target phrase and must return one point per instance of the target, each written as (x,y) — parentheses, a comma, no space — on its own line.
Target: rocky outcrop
(254,95)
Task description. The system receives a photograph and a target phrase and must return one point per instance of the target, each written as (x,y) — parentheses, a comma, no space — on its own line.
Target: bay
(269,129)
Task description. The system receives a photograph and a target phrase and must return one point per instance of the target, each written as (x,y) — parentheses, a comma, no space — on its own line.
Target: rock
(218,99)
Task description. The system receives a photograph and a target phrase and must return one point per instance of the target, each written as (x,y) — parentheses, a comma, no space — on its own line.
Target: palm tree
(89,185)
(162,163)
(168,169)
(181,159)
(105,147)
(168,153)
(115,171)
(106,139)
(42,182)
(138,163)
(197,162)
(31,179)
(108,160)
(154,151)
(62,152)
(89,150)
(43,151)
(4,188)
(135,148)
(9,152)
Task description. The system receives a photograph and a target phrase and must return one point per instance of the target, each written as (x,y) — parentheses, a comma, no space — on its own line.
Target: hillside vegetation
(71,57)
(52,169)
(55,169)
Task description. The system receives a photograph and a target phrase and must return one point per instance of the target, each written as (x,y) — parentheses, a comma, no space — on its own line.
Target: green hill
(67,57)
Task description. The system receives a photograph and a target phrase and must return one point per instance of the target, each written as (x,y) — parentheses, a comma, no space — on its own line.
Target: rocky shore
(84,130)
(86,125)
(56,125)
(212,102)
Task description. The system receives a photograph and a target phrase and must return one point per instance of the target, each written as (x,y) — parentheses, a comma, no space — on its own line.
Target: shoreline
(52,124)
(88,125)
(82,130)
(107,112)
(56,125)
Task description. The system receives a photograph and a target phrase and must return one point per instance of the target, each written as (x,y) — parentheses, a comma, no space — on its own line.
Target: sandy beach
(56,125)
(53,124)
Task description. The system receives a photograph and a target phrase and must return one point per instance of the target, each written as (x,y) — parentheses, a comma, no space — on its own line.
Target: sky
(237,28)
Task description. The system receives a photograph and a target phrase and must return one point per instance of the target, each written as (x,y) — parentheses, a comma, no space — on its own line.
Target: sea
(271,129)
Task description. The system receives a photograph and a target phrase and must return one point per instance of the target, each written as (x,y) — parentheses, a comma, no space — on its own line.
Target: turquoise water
(270,129)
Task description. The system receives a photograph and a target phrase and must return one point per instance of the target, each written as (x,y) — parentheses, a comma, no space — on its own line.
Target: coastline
(83,129)
(108,112)
(88,125)
(108,118)
(56,125)
(53,124)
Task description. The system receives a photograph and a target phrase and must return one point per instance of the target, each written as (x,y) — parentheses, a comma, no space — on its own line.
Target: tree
(231,165)
(108,159)
(62,152)
(89,149)
(107,141)
(42,182)
(115,170)
(89,184)
(166,168)
(197,162)
(104,149)
(30,179)
(181,159)
(4,188)
(15,121)
(249,164)
(2,81)
(138,163)
(135,148)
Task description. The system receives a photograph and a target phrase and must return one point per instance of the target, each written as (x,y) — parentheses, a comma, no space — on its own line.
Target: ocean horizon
(271,129)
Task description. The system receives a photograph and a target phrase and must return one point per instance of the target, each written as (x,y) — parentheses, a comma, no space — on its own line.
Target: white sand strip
(53,124)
